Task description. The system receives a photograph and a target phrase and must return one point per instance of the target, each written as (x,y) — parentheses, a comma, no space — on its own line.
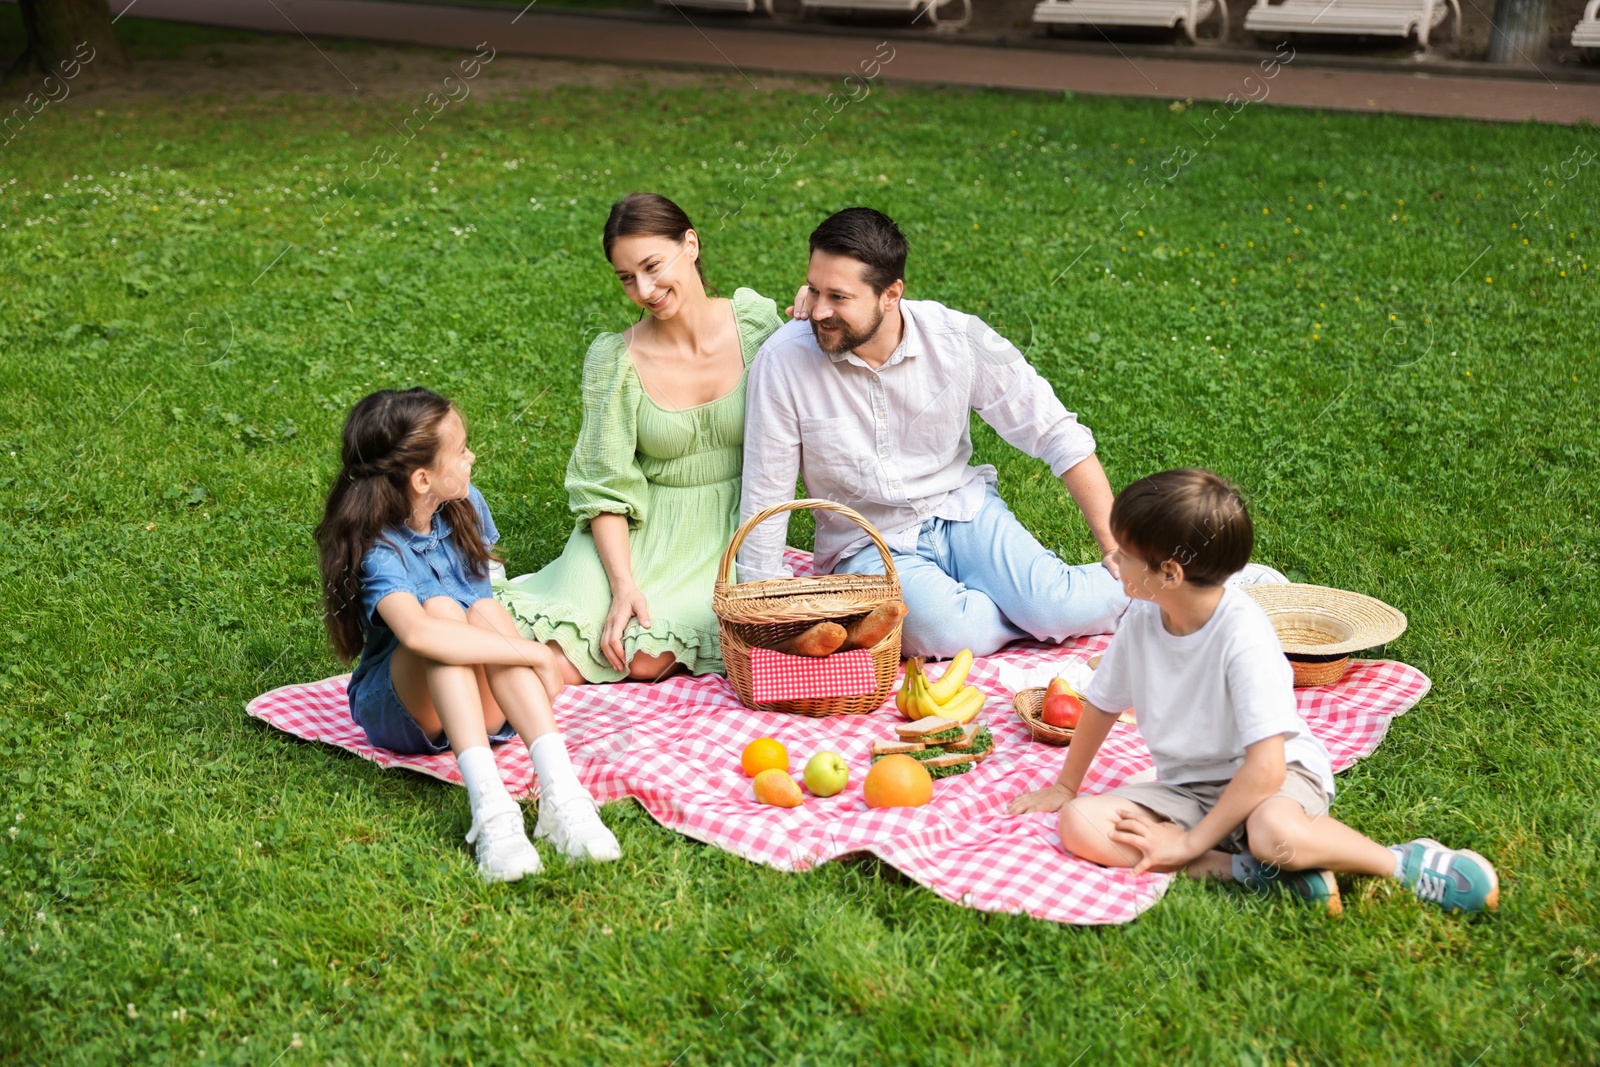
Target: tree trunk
(68,39)
(1518,31)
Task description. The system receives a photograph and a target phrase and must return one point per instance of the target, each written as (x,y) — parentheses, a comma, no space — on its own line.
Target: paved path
(752,52)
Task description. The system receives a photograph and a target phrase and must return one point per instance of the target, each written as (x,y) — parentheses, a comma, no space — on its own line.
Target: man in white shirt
(869,402)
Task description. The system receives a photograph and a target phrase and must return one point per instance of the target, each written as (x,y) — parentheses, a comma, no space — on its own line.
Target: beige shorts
(1188,803)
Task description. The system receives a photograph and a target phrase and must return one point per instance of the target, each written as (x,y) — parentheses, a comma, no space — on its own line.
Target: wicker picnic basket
(760,614)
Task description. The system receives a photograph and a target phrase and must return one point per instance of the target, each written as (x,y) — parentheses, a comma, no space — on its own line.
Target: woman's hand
(1050,798)
(625,605)
(1110,561)
(801,308)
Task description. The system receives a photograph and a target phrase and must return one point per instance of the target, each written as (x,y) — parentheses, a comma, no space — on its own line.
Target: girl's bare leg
(520,692)
(442,696)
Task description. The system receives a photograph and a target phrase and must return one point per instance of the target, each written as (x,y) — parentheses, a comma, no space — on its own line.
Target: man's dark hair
(1192,517)
(869,236)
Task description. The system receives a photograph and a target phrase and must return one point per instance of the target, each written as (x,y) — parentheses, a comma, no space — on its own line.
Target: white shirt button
(883,452)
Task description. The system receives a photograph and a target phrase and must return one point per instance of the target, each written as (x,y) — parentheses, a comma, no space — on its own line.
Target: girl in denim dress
(405,542)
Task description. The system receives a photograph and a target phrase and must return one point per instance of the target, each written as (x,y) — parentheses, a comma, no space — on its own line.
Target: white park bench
(746,6)
(1378,18)
(1162,14)
(930,8)
(1587,33)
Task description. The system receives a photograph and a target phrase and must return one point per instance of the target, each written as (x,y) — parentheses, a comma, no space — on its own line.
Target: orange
(774,786)
(898,781)
(764,753)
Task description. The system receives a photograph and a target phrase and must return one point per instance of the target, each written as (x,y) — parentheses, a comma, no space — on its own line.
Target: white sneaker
(572,824)
(504,852)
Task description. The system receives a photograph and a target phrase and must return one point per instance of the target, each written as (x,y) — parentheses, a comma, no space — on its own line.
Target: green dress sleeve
(758,317)
(603,475)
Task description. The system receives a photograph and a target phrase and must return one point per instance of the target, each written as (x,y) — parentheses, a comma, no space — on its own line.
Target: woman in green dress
(654,480)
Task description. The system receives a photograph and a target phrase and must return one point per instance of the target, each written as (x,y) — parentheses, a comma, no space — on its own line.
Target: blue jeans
(982,583)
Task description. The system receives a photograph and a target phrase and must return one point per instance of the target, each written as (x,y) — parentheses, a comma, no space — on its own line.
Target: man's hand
(1050,798)
(1110,562)
(801,308)
(1164,845)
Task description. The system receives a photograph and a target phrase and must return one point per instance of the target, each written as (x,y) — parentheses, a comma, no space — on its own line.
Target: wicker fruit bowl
(761,614)
(1030,705)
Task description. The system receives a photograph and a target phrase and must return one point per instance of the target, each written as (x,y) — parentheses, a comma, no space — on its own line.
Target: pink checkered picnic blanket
(674,746)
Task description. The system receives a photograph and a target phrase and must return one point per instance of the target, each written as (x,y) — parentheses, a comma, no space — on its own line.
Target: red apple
(1062,710)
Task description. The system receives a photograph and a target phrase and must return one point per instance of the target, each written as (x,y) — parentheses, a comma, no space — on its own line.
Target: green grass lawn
(1307,306)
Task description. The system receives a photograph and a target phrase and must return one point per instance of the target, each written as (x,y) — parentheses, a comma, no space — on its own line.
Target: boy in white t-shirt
(1242,786)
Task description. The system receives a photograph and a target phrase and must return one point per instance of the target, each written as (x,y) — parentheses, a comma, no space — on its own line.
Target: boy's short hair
(1193,517)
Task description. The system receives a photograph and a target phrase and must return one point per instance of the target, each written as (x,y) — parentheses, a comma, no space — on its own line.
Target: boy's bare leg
(1283,835)
(1214,864)
(1280,833)
(1085,826)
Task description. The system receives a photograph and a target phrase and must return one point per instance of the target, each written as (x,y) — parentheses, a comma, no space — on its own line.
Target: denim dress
(426,566)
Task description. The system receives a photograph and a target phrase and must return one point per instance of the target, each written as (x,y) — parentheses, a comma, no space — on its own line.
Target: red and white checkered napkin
(777,676)
(675,748)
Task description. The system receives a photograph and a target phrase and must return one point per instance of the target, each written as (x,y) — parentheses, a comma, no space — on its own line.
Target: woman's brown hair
(388,435)
(649,215)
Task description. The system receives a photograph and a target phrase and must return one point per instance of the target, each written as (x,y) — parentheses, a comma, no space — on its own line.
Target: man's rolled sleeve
(1067,444)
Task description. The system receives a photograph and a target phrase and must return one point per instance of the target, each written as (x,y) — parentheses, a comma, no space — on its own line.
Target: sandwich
(930,730)
(947,764)
(881,748)
(976,743)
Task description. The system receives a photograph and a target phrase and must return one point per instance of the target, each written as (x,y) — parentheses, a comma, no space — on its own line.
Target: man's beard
(845,339)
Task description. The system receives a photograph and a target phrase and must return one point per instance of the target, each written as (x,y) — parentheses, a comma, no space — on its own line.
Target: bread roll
(820,640)
(868,631)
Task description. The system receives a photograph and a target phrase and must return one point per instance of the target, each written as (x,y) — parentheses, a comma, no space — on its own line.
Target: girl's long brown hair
(388,435)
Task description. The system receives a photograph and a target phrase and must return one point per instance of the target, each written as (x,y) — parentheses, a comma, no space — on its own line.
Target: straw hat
(1315,620)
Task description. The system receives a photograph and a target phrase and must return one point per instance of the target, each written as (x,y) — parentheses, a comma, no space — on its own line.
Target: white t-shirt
(1203,698)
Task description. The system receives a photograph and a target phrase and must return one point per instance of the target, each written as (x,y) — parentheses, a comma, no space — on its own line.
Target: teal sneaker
(1314,886)
(1454,879)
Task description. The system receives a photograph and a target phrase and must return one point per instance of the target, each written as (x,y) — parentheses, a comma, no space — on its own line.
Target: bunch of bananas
(949,698)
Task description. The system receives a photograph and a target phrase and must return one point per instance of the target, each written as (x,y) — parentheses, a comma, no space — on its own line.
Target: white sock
(554,767)
(485,790)
(1399,860)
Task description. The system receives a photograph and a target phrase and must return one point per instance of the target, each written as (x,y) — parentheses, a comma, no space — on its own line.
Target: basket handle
(725,568)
